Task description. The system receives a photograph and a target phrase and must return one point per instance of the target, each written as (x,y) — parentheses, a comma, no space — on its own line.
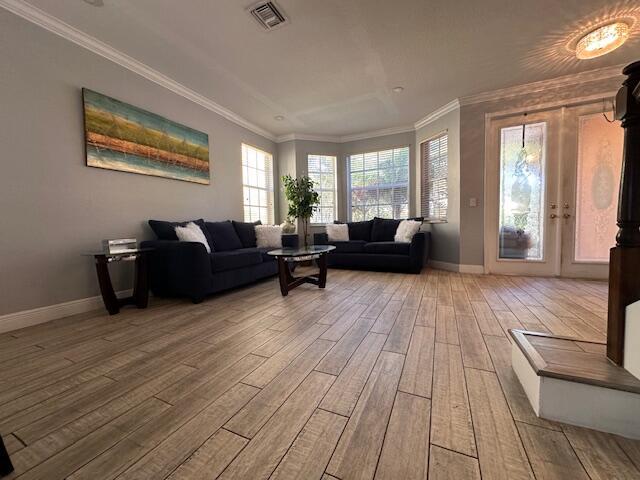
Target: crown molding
(303,136)
(82,39)
(345,138)
(436,114)
(543,85)
(376,133)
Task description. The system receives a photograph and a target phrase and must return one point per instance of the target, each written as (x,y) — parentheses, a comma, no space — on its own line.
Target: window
(434,160)
(379,184)
(322,170)
(257,185)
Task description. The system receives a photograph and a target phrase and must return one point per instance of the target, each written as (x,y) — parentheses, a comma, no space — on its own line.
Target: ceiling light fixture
(95,3)
(602,40)
(398,89)
(279,118)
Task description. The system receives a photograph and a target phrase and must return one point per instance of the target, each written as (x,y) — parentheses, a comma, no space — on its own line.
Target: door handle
(553,215)
(566,215)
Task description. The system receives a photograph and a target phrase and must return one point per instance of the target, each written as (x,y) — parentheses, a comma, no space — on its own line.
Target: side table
(140,297)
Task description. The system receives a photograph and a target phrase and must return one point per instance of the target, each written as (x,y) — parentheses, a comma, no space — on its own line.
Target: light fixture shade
(602,40)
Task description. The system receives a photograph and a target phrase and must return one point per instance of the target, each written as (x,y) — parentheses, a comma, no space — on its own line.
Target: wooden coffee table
(288,256)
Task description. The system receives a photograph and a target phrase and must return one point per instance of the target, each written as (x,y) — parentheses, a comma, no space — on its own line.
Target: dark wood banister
(624,263)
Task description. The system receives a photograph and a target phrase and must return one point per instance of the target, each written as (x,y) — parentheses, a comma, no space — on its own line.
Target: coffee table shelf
(287,256)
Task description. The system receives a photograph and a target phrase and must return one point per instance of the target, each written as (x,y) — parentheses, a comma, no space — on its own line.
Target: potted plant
(303,200)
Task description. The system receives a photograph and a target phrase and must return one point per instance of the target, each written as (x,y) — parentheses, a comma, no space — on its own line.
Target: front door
(522,195)
(552,181)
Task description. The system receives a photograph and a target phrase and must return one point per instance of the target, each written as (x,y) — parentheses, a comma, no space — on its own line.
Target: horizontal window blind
(322,170)
(434,159)
(378,184)
(257,185)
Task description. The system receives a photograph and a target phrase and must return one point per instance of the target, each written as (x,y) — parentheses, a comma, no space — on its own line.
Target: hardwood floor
(380,375)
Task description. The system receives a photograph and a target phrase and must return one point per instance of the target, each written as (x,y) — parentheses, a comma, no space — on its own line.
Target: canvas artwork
(122,137)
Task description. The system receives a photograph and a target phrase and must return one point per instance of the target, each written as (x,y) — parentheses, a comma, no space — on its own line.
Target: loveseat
(371,246)
(186,269)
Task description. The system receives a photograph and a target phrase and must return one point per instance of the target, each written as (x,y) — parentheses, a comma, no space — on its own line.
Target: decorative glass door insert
(522,173)
(598,178)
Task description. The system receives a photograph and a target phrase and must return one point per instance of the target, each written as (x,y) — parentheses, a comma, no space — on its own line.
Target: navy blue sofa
(371,246)
(185,269)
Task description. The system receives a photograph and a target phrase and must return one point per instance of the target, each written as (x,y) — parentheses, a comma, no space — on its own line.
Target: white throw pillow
(338,232)
(406,230)
(269,236)
(192,233)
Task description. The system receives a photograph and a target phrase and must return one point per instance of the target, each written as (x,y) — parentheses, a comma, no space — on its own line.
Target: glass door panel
(591,179)
(598,179)
(522,191)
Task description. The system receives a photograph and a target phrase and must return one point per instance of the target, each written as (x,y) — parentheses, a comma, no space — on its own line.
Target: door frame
(541,107)
(549,264)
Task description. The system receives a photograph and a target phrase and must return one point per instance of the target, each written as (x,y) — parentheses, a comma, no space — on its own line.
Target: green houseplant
(303,200)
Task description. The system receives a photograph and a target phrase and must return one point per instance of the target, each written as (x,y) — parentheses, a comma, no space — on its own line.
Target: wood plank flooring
(380,375)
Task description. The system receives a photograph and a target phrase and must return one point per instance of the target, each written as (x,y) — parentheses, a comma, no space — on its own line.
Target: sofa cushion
(223,235)
(360,230)
(232,259)
(246,232)
(352,246)
(384,229)
(391,248)
(167,230)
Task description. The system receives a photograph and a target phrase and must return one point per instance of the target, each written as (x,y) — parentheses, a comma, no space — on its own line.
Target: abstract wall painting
(122,137)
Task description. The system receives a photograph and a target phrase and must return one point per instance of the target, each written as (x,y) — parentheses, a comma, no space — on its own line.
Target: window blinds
(257,185)
(434,164)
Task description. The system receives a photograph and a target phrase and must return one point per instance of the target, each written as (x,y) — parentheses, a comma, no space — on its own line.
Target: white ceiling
(332,69)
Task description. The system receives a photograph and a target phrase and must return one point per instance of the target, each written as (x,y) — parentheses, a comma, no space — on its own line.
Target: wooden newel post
(624,263)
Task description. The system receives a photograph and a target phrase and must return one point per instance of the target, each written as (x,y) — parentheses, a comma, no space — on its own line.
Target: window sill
(434,221)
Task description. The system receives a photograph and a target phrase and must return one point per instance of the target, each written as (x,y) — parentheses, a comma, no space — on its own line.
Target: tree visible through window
(434,158)
(378,184)
(257,185)
(322,170)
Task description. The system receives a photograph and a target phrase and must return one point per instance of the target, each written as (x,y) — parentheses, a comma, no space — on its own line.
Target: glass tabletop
(302,251)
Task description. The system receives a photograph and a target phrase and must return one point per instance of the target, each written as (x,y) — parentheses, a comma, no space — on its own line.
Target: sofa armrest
(290,240)
(320,239)
(419,251)
(179,269)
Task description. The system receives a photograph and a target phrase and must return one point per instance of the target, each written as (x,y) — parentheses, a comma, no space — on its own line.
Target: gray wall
(286,166)
(445,237)
(472,152)
(53,206)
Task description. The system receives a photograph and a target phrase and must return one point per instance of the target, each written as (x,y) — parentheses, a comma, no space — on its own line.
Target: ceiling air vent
(268,15)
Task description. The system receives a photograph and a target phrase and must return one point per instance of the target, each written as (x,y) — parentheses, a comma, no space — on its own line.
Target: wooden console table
(140,297)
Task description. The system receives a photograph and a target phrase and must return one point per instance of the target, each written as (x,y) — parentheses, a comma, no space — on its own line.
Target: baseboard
(475,269)
(27,318)
(450,267)
(456,267)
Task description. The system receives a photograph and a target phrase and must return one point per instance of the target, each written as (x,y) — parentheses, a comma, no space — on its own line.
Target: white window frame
(349,172)
(424,170)
(264,184)
(319,189)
